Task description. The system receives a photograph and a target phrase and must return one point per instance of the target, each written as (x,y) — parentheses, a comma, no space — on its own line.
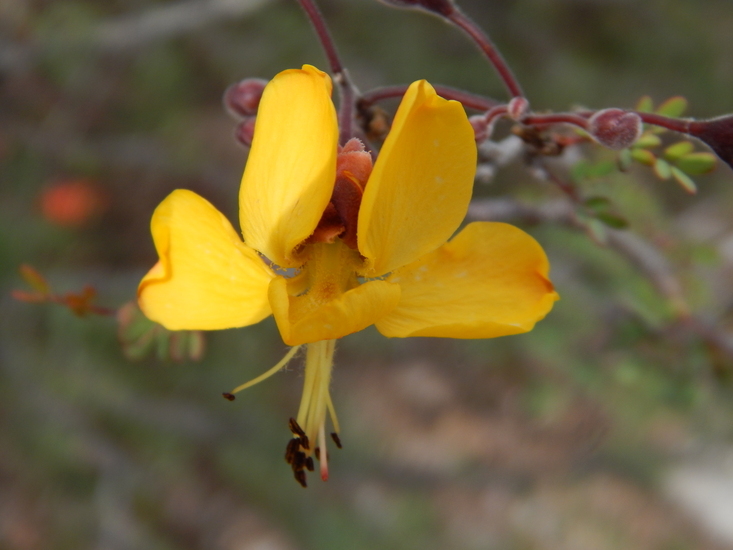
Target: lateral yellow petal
(490,280)
(207,278)
(419,190)
(302,320)
(291,168)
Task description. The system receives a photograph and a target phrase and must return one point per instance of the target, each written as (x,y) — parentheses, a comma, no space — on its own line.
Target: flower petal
(206,278)
(291,168)
(419,190)
(490,280)
(302,320)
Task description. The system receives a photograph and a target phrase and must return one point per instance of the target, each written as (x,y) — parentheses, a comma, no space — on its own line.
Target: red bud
(717,133)
(242,99)
(615,128)
(245,131)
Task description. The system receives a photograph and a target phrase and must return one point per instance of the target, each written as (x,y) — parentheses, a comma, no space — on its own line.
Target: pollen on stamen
(300,478)
(295,428)
(299,433)
(228,396)
(291,450)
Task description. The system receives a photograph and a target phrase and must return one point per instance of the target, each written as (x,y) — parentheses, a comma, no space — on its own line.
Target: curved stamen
(284,361)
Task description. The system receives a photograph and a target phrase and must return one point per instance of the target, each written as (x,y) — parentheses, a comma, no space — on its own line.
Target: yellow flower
(332,245)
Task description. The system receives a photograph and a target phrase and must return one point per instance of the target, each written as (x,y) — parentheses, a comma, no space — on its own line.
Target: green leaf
(34,279)
(662,169)
(643,156)
(676,150)
(196,345)
(597,204)
(673,107)
(579,170)
(648,140)
(645,104)
(600,169)
(178,345)
(684,180)
(624,159)
(697,163)
(613,220)
(139,348)
(163,345)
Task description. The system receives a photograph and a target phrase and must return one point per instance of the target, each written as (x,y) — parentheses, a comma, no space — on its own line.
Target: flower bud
(243,98)
(439,7)
(517,108)
(716,133)
(245,131)
(615,128)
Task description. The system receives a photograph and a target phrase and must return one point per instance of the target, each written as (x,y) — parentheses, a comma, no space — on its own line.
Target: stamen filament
(284,361)
(310,374)
(332,412)
(315,406)
(316,401)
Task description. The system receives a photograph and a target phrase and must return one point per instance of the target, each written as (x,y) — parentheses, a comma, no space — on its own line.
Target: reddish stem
(88,308)
(556,118)
(495,113)
(674,124)
(324,36)
(482,40)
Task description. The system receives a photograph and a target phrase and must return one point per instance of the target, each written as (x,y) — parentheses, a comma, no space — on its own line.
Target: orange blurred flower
(71,202)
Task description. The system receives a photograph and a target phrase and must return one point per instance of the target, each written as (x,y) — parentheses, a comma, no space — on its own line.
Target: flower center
(353,167)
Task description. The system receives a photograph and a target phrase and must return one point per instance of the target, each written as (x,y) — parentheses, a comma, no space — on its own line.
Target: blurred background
(610,426)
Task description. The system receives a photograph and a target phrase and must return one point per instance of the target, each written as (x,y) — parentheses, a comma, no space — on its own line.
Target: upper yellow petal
(490,280)
(303,320)
(291,168)
(206,278)
(419,190)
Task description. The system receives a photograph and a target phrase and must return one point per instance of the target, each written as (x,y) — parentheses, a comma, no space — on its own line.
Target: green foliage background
(562,438)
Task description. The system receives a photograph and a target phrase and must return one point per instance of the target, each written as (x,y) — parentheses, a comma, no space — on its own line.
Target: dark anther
(300,478)
(228,396)
(291,449)
(309,463)
(295,428)
(305,442)
(336,439)
(317,452)
(299,461)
